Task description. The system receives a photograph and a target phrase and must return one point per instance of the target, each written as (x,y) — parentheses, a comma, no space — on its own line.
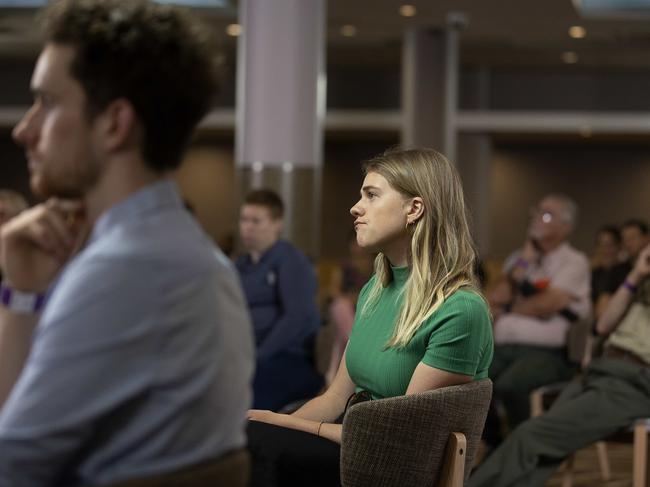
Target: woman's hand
(319,428)
(266,416)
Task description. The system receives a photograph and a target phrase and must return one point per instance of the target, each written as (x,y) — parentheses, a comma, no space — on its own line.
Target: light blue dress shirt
(142,360)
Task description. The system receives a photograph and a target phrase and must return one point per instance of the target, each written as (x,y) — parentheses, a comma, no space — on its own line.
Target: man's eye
(43,100)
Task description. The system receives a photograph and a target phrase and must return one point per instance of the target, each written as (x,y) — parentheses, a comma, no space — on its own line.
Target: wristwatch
(19,301)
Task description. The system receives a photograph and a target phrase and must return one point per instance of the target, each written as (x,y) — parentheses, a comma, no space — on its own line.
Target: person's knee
(520,383)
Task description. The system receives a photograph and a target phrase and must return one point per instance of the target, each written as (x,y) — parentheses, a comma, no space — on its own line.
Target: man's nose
(24,133)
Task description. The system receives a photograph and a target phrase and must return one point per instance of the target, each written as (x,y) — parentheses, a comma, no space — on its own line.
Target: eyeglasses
(545,215)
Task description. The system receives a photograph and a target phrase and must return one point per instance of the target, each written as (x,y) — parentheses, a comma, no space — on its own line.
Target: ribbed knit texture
(456,338)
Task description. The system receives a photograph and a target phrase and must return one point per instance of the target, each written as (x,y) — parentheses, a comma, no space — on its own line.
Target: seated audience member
(420,323)
(605,280)
(347,281)
(635,237)
(280,286)
(544,287)
(614,391)
(608,272)
(140,362)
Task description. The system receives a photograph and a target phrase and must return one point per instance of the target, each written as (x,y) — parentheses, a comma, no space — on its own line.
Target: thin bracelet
(629,286)
(319,425)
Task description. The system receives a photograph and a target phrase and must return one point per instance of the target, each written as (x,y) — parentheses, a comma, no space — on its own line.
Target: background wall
(609,182)
(206,181)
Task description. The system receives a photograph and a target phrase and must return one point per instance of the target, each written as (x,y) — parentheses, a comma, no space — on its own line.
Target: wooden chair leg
(536,403)
(640,454)
(567,477)
(603,461)
(453,470)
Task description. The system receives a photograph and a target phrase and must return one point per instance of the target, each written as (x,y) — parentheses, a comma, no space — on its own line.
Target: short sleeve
(461,336)
(575,279)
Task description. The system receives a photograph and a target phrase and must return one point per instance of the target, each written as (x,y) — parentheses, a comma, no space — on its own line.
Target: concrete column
(455,23)
(475,165)
(281,108)
(430,64)
(422,88)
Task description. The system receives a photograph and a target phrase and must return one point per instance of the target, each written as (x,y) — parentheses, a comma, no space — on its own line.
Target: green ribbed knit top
(456,338)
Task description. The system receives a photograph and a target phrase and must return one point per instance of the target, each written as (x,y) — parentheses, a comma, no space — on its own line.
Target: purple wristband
(523,263)
(629,286)
(21,302)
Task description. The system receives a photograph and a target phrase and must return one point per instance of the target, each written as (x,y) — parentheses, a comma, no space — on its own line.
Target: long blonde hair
(441,254)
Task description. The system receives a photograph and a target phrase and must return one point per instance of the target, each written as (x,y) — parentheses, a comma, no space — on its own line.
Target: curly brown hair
(155,56)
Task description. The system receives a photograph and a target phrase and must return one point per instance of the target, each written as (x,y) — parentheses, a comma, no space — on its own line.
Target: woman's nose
(356,210)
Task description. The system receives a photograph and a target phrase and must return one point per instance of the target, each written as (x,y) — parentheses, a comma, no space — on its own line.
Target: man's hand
(641,267)
(529,251)
(39,241)
(529,254)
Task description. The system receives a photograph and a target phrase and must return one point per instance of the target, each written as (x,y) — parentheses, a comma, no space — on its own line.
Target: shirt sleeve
(461,335)
(91,352)
(575,278)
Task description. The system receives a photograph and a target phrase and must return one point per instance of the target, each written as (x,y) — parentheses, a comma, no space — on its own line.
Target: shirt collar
(162,193)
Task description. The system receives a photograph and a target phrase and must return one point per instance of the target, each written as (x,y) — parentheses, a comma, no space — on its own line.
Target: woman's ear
(415,210)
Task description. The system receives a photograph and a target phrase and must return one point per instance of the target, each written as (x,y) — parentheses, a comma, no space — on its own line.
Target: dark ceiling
(526,33)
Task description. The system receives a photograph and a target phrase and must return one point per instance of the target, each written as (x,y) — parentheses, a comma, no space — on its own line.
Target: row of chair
(421,439)
(581,348)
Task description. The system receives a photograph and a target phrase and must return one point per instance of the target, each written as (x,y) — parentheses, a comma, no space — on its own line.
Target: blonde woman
(421,323)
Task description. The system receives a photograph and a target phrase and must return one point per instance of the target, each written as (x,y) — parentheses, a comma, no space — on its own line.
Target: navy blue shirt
(280,289)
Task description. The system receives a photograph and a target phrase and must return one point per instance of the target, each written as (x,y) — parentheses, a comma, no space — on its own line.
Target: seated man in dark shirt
(608,271)
(280,286)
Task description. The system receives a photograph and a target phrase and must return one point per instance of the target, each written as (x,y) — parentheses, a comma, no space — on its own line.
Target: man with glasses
(543,289)
(611,393)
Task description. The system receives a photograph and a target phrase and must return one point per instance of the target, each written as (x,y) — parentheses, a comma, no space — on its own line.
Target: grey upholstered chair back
(401,441)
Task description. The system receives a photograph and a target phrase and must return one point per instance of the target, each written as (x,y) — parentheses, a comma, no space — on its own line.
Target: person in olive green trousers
(614,391)
(420,323)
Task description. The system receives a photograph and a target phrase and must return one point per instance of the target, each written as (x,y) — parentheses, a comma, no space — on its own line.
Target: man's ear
(279,225)
(415,210)
(118,125)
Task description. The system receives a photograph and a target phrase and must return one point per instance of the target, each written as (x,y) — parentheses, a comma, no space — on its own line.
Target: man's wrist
(523,263)
(633,278)
(21,301)
(518,271)
(631,287)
